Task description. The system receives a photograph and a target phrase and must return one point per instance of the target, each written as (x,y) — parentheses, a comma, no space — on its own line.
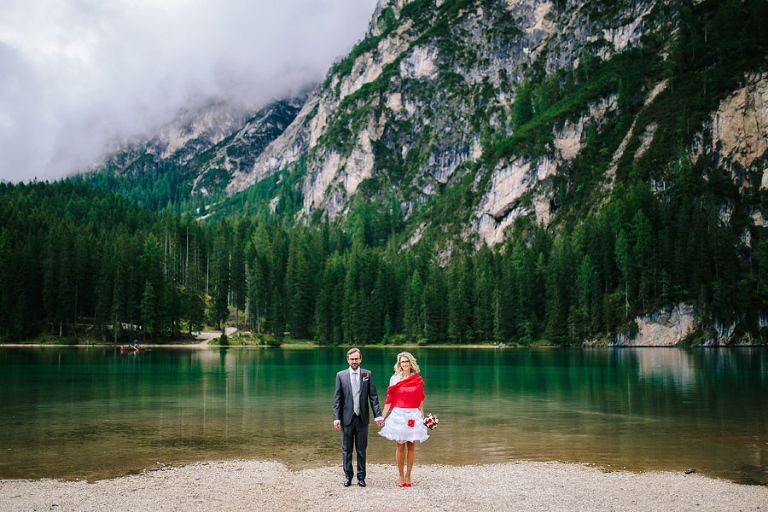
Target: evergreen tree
(238,274)
(220,279)
(194,294)
(329,317)
(522,108)
(152,272)
(299,287)
(484,293)
(434,308)
(149,309)
(414,317)
(624,263)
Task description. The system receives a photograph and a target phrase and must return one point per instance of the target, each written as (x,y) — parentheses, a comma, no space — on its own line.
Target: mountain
(189,162)
(533,108)
(562,170)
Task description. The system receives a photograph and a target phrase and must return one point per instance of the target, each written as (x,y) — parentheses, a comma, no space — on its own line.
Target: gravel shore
(259,485)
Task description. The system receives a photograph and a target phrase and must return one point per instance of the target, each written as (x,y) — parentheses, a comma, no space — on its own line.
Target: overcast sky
(78,74)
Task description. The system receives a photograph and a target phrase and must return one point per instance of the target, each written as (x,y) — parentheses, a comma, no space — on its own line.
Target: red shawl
(407,394)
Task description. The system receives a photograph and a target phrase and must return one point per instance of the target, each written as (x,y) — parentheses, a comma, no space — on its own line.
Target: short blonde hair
(411,359)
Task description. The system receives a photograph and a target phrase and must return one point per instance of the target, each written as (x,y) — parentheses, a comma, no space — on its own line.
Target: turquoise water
(95,413)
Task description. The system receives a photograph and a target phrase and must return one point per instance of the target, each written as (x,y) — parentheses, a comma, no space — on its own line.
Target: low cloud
(77,75)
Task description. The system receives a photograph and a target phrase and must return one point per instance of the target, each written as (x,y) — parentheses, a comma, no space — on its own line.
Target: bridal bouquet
(430,420)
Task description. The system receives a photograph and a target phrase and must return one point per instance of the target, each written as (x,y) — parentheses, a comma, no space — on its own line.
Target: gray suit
(354,428)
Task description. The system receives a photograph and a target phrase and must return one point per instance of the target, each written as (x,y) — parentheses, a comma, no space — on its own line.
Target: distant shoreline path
(260,485)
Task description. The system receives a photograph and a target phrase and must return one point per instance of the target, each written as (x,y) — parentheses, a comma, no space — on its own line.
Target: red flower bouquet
(430,420)
(411,423)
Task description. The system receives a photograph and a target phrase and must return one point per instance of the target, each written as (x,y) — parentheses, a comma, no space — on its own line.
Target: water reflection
(93,413)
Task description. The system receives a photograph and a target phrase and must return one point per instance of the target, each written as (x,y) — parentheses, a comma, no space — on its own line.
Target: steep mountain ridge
(501,96)
(736,135)
(190,160)
(436,87)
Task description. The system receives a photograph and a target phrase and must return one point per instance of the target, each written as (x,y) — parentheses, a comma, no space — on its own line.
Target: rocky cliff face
(426,99)
(425,102)
(191,133)
(736,138)
(207,144)
(240,149)
(433,86)
(680,326)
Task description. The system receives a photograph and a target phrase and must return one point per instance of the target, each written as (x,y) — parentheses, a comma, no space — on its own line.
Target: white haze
(78,75)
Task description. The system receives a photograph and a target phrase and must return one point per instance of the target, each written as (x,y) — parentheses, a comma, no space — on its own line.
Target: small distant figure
(131,347)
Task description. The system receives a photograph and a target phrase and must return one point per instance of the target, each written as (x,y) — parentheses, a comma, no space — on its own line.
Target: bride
(405,424)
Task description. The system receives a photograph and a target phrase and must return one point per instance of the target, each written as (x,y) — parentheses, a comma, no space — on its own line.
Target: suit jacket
(343,407)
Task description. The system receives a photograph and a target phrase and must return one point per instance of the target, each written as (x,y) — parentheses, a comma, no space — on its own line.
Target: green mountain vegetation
(661,229)
(76,262)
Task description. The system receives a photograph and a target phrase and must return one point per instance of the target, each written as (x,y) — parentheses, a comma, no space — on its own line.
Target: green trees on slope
(72,258)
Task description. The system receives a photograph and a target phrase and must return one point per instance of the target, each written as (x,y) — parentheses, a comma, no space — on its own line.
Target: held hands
(337,424)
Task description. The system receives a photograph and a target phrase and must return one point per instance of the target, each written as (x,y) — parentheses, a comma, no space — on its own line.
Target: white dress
(396,425)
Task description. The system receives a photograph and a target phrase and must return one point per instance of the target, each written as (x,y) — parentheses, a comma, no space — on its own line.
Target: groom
(354,389)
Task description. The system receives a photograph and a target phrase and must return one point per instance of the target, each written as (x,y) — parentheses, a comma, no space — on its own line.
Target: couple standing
(355,390)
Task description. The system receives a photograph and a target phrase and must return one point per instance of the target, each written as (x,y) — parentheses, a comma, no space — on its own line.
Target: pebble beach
(247,485)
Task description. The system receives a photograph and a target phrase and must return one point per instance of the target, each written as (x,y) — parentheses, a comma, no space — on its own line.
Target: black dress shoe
(347,482)
(361,482)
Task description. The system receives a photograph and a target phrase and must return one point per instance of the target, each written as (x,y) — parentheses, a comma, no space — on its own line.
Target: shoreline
(203,342)
(310,345)
(259,485)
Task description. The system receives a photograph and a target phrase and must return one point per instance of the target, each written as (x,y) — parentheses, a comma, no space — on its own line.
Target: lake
(91,413)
